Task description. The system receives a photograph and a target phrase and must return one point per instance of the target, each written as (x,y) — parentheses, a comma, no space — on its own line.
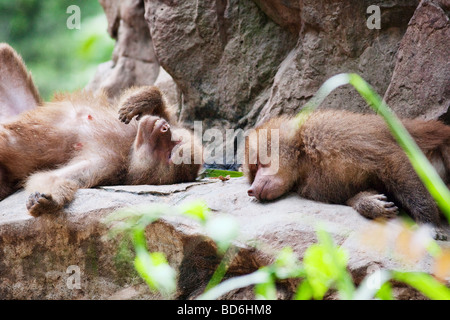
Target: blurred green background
(59,58)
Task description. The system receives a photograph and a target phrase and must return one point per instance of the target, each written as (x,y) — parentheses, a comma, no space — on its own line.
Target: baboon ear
(17,90)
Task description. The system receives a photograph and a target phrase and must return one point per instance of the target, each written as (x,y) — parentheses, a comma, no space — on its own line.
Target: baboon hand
(128,112)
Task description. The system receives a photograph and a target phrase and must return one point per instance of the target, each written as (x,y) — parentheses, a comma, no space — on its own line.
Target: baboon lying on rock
(346,158)
(77,140)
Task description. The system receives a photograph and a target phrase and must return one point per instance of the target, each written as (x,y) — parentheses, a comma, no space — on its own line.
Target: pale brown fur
(17,90)
(77,141)
(336,155)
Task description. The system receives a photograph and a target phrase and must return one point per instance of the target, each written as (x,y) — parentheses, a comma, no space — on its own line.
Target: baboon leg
(410,192)
(402,181)
(6,188)
(51,190)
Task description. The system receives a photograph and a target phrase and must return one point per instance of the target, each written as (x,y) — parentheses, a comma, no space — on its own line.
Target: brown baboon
(346,158)
(78,141)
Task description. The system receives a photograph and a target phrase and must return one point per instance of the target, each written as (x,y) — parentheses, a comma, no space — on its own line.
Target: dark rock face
(286,13)
(237,63)
(420,85)
(222,54)
(242,76)
(335,38)
(134,61)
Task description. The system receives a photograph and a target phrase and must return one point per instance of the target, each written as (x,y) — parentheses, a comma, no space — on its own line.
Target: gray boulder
(38,256)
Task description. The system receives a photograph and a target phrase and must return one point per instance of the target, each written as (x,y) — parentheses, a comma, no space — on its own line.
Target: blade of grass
(372,284)
(424,283)
(260,276)
(420,163)
(221,270)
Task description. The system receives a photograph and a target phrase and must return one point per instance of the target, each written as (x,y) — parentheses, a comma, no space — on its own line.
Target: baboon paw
(384,208)
(40,203)
(127,113)
(376,206)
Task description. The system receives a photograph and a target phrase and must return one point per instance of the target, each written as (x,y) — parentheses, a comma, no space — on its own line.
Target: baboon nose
(165,127)
(251,193)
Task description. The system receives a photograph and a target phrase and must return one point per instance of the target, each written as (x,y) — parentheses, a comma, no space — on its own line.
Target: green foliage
(214,173)
(424,283)
(266,290)
(385,292)
(260,276)
(197,210)
(60,59)
(153,267)
(325,267)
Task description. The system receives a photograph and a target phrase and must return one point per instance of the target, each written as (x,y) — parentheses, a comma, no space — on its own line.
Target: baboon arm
(17,90)
(141,101)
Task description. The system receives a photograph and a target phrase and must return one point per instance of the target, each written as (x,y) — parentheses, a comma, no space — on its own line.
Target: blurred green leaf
(287,265)
(158,276)
(197,209)
(223,230)
(266,290)
(59,59)
(320,275)
(424,283)
(304,291)
(153,267)
(260,276)
(214,173)
(375,285)
(385,292)
(325,266)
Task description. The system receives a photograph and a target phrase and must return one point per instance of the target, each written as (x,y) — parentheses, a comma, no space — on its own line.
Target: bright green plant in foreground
(324,268)
(324,265)
(153,267)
